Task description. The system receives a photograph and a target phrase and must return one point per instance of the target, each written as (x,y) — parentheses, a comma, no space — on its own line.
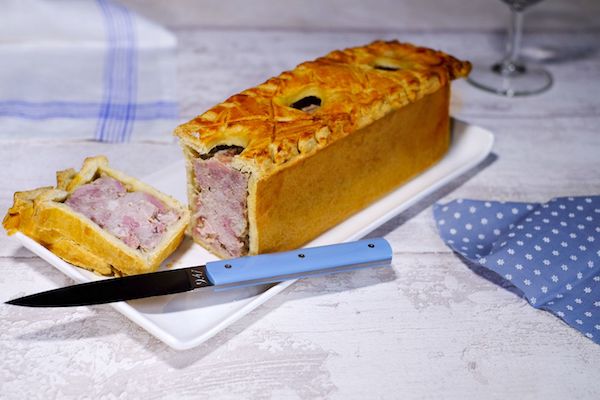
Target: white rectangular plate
(185,320)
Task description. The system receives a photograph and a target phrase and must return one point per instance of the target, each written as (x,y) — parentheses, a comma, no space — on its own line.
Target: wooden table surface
(430,328)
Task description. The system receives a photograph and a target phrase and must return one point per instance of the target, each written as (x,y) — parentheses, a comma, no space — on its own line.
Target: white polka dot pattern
(551,251)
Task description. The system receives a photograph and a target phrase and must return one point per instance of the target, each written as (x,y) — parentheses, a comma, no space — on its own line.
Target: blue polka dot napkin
(550,252)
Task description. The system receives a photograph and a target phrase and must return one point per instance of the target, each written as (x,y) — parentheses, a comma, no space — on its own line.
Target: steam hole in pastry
(386,67)
(230,150)
(308,104)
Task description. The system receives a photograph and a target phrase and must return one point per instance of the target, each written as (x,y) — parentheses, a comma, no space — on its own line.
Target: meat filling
(137,218)
(221,210)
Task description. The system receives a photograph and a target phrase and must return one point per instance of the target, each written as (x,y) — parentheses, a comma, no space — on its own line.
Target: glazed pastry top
(292,115)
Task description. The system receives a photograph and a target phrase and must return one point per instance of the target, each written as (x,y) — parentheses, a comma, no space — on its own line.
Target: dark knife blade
(119,289)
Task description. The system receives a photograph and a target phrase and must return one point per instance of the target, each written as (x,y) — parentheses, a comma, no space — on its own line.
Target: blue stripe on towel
(115,123)
(86,110)
(132,73)
(108,66)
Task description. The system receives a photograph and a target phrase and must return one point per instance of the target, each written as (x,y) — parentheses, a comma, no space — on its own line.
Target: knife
(222,274)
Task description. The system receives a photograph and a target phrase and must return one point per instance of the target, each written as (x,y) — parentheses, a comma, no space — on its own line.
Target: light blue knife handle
(277,267)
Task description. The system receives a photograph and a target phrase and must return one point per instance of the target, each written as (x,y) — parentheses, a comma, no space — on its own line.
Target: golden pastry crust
(383,118)
(357,86)
(41,215)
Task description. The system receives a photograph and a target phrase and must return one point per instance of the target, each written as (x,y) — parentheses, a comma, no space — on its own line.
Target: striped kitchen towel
(84,69)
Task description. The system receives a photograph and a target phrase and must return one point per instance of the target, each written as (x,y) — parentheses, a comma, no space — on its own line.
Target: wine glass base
(530,80)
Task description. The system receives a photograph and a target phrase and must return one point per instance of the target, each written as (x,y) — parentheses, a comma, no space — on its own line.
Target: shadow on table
(427,201)
(434,197)
(490,276)
(93,326)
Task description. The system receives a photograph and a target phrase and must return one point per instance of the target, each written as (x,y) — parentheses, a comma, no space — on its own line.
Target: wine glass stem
(510,64)
(515,35)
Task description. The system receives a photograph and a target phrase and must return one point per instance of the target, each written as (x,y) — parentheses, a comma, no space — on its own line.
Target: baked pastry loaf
(101,219)
(276,165)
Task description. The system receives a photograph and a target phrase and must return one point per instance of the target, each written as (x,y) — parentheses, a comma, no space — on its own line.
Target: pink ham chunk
(221,214)
(137,218)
